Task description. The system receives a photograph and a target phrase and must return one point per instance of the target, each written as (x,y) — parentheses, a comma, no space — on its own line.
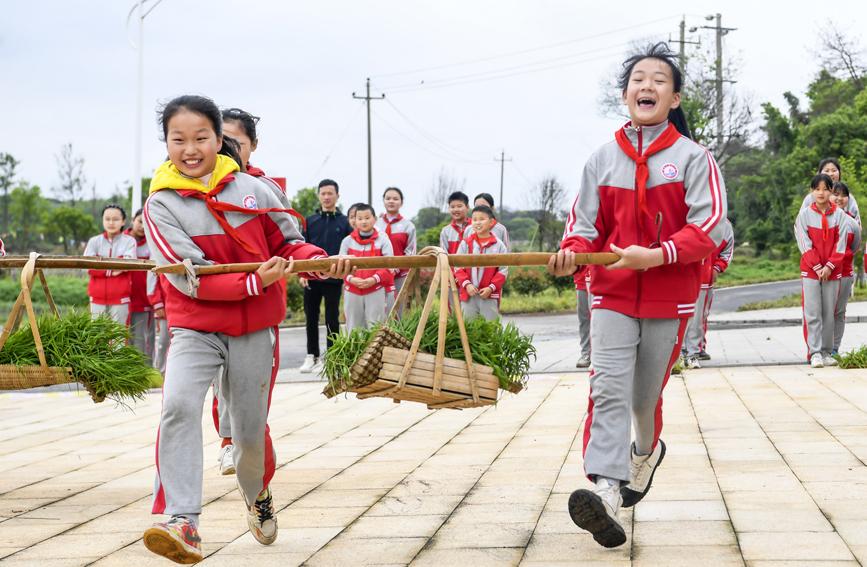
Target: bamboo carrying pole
(405,262)
(321,265)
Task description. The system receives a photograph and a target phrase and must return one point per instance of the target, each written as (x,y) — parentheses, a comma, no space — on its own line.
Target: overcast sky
(68,74)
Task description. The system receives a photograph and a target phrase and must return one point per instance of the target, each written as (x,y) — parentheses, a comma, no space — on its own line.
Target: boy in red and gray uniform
(480,287)
(822,231)
(364,300)
(141,316)
(694,341)
(452,234)
(656,199)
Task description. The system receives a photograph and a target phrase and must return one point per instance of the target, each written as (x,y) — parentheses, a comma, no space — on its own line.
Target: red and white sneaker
(176,539)
(261,518)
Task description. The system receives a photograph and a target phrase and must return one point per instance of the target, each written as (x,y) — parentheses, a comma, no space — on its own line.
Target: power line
(551,46)
(521,173)
(339,139)
(442,145)
(502,69)
(425,87)
(413,142)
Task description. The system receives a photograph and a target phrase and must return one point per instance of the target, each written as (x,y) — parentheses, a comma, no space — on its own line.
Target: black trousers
(314,293)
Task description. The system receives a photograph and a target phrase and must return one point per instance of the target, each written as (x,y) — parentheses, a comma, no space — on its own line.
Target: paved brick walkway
(765,468)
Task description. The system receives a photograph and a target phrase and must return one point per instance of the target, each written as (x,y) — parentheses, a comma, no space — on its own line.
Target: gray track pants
(584,301)
(392,297)
(840,314)
(631,360)
(476,305)
(363,310)
(119,313)
(693,339)
(820,304)
(251,363)
(161,348)
(141,325)
(220,408)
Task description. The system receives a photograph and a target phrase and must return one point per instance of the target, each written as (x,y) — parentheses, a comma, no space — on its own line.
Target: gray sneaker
(691,363)
(583,362)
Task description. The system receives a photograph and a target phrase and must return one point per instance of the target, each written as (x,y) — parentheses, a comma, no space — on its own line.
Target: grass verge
(854,358)
(794,300)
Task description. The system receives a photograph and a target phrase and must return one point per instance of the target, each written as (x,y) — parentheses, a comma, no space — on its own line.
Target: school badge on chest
(669,171)
(249,202)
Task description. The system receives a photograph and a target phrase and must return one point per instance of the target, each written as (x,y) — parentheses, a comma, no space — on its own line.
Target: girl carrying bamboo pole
(202,210)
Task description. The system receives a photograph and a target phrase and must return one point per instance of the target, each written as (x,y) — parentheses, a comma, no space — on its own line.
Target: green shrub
(854,358)
(65,290)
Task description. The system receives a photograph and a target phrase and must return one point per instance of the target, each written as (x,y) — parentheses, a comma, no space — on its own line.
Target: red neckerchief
(215,207)
(144,239)
(665,140)
(491,240)
(830,210)
(356,236)
(256,172)
(460,230)
(388,223)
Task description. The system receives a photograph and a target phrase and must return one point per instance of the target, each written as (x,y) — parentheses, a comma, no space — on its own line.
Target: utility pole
(720,32)
(683,43)
(369,159)
(502,161)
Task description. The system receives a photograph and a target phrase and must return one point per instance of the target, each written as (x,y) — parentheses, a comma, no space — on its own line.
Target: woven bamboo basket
(22,377)
(407,374)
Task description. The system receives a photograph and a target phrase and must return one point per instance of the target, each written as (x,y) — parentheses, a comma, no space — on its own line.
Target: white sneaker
(691,363)
(261,518)
(816,361)
(226,460)
(583,362)
(641,475)
(309,363)
(829,361)
(317,366)
(596,511)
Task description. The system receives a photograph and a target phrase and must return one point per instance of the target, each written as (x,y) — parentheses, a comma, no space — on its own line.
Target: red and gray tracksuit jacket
(401,232)
(670,179)
(103,288)
(373,246)
(452,235)
(721,257)
(493,278)
(853,244)
(497,229)
(822,239)
(582,279)
(144,282)
(208,227)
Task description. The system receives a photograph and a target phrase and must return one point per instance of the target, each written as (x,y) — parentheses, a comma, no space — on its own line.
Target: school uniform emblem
(249,202)
(669,171)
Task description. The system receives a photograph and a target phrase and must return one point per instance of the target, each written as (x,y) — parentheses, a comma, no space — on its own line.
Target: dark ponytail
(677,117)
(205,107)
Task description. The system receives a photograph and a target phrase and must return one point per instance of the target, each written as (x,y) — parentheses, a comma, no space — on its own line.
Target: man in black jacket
(326,228)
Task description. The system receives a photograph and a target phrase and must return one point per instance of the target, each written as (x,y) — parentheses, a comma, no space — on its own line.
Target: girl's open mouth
(192,163)
(646,103)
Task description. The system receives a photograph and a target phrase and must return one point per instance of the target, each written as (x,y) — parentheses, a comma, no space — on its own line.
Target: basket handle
(471,367)
(12,323)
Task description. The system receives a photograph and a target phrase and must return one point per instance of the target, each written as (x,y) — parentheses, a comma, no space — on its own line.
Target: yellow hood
(167,176)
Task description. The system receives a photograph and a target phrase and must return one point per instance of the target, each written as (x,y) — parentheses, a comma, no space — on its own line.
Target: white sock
(601,482)
(638,457)
(192,517)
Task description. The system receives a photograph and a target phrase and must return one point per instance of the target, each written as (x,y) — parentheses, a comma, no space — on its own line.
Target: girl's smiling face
(831,171)
(650,93)
(392,202)
(840,199)
(233,129)
(192,143)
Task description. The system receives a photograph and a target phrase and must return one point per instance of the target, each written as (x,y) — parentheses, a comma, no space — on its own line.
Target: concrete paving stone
(301,539)
(819,472)
(559,548)
(839,509)
(509,494)
(19,560)
(688,533)
(395,526)
(478,557)
(414,486)
(793,546)
(660,491)
(367,551)
(468,514)
(451,536)
(288,559)
(412,505)
(681,510)
(67,546)
(350,481)
(800,460)
(24,533)
(688,556)
(320,517)
(340,498)
(853,532)
(760,563)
